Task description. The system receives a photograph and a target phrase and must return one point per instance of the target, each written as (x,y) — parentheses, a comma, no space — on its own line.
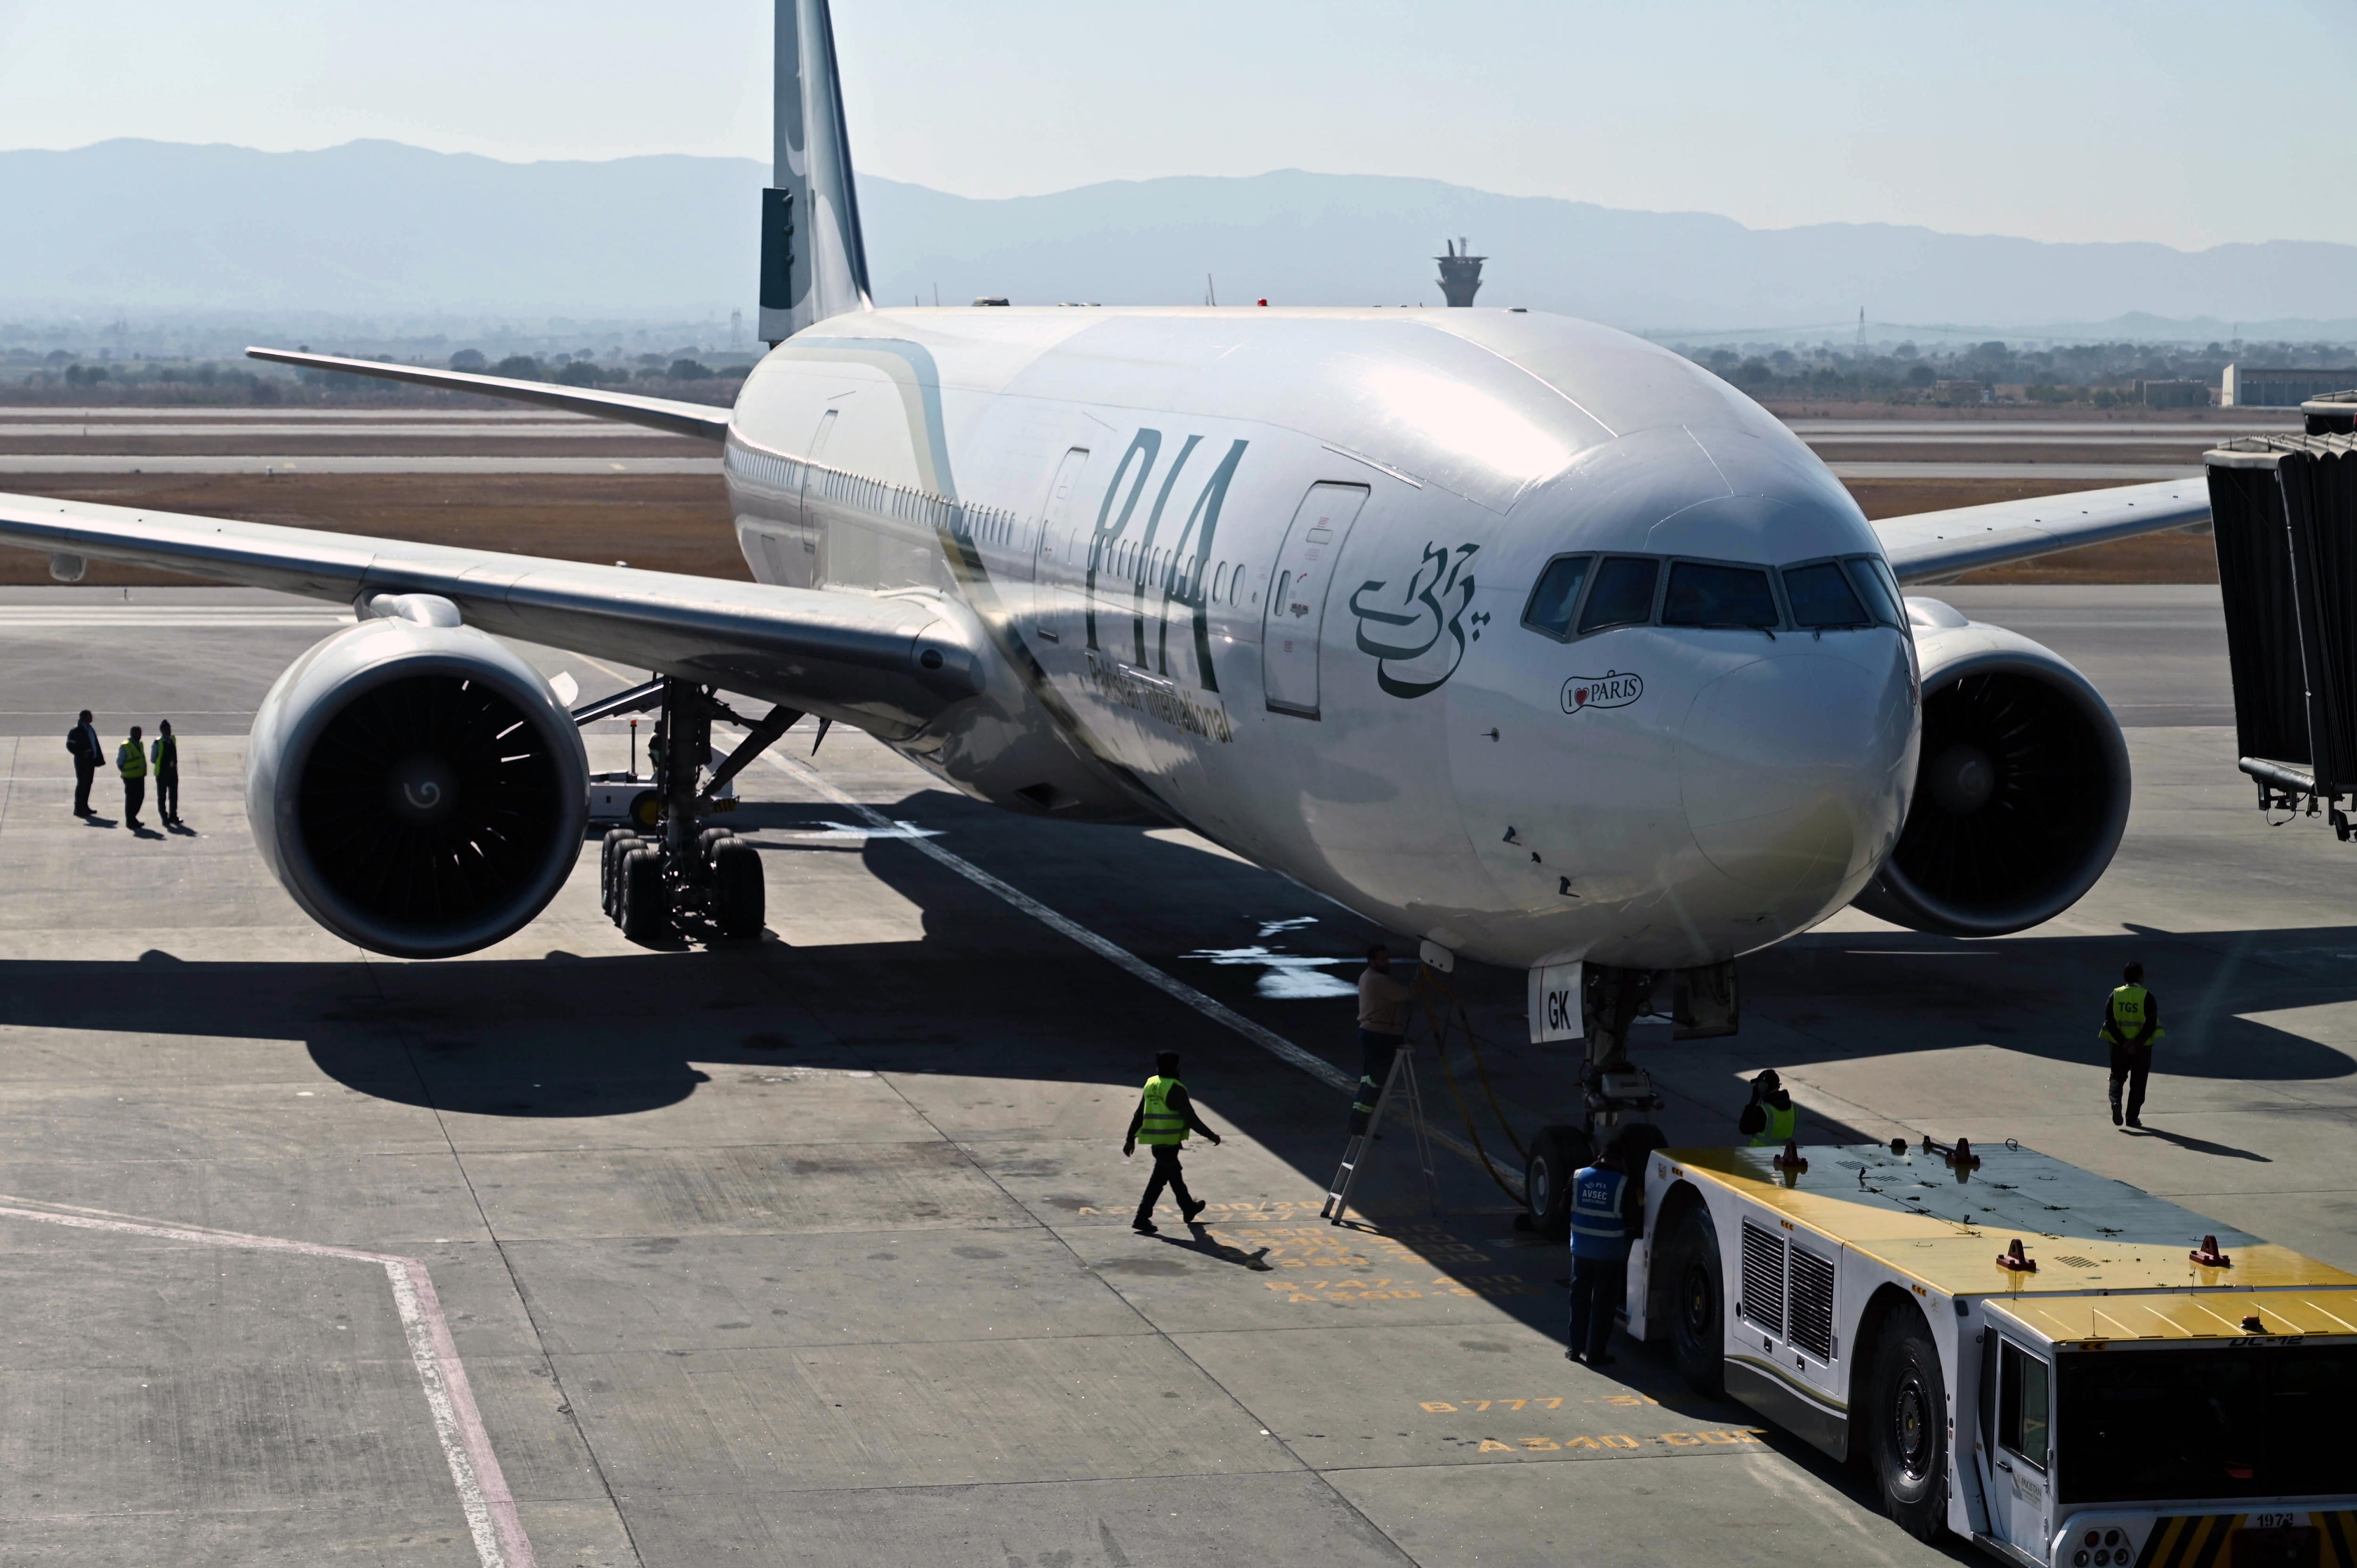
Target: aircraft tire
(1907,1425)
(739,895)
(1689,1260)
(645,901)
(1556,1154)
(609,855)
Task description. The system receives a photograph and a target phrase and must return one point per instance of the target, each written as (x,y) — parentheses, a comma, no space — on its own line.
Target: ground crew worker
(1163,1119)
(1608,1212)
(164,760)
(1383,1027)
(88,752)
(131,761)
(1771,1119)
(2131,1024)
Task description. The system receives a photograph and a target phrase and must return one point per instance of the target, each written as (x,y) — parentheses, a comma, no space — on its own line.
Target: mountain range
(372,227)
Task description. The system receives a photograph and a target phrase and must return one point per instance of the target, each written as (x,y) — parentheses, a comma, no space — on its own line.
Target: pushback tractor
(2065,1369)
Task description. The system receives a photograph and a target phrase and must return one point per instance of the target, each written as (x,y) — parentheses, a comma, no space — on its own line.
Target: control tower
(1460,272)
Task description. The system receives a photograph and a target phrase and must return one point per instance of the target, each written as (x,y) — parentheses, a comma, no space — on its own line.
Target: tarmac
(816,1250)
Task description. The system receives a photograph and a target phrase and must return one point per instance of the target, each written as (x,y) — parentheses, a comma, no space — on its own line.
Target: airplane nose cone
(1793,770)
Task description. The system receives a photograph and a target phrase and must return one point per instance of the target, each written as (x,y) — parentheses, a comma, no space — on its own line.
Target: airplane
(1506,630)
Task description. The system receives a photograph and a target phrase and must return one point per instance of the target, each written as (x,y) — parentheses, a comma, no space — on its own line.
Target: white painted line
(483,1496)
(1276,1045)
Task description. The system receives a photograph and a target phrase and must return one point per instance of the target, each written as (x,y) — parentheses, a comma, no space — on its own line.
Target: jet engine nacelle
(2022,791)
(416,787)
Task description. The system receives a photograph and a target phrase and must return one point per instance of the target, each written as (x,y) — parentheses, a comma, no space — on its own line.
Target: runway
(2093,473)
(36,441)
(817,1252)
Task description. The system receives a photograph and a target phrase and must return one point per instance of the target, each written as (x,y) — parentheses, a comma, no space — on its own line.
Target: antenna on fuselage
(813,260)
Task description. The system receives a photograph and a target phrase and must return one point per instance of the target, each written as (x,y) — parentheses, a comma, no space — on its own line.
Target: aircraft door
(801,560)
(1056,517)
(1294,617)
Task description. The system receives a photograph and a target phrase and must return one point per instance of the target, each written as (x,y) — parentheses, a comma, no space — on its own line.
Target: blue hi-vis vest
(1597,1230)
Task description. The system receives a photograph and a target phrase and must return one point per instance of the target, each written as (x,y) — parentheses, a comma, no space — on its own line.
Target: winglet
(814,261)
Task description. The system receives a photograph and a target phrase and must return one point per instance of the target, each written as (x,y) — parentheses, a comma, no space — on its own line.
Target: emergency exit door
(1293,619)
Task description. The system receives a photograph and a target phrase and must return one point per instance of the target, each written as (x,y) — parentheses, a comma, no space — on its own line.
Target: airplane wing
(1932,546)
(697,419)
(886,663)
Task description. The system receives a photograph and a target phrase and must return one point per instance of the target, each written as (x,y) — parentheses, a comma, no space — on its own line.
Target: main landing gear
(670,872)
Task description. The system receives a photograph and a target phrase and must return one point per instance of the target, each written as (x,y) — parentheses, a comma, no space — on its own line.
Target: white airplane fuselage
(1265,573)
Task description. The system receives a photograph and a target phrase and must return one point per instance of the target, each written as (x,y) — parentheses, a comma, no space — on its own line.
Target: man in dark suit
(164,763)
(82,741)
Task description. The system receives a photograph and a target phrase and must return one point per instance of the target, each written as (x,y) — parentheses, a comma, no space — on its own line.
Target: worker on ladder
(1383,1027)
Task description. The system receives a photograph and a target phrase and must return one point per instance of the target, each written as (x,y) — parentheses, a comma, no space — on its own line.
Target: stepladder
(1398,1098)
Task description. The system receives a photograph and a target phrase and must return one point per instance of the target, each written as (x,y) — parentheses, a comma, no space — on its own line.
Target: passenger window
(2021,1405)
(1557,592)
(1624,595)
(1879,588)
(1702,594)
(1821,597)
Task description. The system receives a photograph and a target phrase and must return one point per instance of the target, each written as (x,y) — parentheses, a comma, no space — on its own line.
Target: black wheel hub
(1911,1426)
(1695,1304)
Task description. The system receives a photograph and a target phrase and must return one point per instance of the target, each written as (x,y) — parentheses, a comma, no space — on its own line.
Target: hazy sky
(2154,119)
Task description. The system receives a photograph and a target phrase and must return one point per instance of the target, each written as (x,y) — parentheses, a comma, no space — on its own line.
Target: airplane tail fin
(814,261)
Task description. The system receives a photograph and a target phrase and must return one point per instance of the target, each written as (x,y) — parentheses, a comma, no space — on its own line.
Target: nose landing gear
(1617,1095)
(670,872)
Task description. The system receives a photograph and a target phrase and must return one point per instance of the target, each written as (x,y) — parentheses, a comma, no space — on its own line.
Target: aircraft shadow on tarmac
(986,993)
(982,994)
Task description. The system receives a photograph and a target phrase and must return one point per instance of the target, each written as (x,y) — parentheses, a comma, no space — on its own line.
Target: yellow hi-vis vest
(1161,1124)
(131,759)
(2126,1014)
(1783,1125)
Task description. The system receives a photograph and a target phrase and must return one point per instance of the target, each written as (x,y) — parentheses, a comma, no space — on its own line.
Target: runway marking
(1623,1442)
(1446,1407)
(1269,1040)
(1334,1293)
(483,1496)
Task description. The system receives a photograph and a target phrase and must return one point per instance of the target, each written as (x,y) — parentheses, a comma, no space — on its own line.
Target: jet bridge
(2284,509)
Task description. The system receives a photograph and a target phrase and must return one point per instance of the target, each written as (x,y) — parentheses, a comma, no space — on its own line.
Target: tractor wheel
(1696,1274)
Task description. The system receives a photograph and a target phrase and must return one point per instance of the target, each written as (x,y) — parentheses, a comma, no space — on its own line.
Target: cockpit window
(1879,589)
(1624,595)
(1556,595)
(1704,594)
(1821,597)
